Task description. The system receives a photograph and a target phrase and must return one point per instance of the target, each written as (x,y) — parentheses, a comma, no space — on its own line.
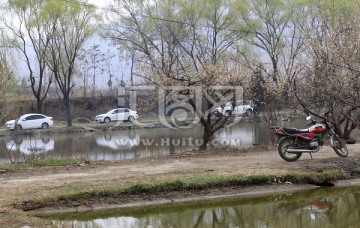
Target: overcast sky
(119,68)
(100,3)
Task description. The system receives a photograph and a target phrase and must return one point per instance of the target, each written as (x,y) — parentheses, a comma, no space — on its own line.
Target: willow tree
(75,24)
(333,79)
(280,45)
(8,95)
(187,44)
(32,30)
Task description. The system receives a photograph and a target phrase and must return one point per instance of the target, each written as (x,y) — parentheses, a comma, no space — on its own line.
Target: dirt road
(37,183)
(239,161)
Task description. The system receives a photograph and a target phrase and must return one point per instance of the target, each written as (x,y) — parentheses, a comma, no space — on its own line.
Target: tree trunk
(347,130)
(206,138)
(39,104)
(67,111)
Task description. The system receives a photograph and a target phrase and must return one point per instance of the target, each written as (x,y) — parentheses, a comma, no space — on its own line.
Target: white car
(240,108)
(118,114)
(30,121)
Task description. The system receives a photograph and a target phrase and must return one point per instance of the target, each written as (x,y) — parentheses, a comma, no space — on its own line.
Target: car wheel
(249,112)
(107,120)
(45,126)
(131,118)
(19,127)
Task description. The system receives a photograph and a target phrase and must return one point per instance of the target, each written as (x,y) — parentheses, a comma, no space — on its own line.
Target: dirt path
(22,185)
(248,161)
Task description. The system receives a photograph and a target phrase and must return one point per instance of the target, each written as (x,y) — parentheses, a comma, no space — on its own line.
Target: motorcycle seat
(295,130)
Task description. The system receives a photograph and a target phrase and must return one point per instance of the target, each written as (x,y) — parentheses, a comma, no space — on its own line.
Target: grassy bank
(117,191)
(177,187)
(150,186)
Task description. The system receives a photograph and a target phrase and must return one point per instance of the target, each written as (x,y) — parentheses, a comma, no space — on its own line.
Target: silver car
(118,114)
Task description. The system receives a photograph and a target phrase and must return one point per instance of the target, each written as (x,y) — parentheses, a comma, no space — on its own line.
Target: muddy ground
(36,184)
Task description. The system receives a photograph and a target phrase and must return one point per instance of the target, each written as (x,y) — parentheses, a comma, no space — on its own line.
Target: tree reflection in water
(324,207)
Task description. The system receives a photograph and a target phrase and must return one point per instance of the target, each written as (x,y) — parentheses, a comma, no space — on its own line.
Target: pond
(129,144)
(321,207)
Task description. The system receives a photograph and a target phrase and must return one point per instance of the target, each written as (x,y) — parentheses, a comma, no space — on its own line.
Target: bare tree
(32,32)
(94,62)
(280,43)
(333,79)
(185,44)
(75,25)
(84,70)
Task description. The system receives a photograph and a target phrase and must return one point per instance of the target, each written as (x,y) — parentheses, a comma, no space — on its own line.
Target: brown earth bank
(24,189)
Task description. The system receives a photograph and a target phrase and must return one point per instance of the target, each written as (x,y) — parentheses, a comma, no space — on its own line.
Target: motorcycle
(292,142)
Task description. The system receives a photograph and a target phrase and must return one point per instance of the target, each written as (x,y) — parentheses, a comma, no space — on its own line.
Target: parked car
(118,114)
(240,108)
(30,121)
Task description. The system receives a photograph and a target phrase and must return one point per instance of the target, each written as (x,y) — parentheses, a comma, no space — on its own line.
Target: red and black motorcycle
(293,142)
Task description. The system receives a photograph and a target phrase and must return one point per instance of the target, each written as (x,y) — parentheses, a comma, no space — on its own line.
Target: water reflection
(131,143)
(247,134)
(119,140)
(30,145)
(20,149)
(331,207)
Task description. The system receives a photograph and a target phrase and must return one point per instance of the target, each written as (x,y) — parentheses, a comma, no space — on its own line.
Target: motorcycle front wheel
(284,144)
(339,146)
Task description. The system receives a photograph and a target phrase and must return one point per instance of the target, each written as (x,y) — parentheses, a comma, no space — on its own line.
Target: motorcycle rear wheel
(339,146)
(284,144)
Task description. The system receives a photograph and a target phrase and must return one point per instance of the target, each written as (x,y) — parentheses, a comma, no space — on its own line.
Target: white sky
(119,68)
(100,3)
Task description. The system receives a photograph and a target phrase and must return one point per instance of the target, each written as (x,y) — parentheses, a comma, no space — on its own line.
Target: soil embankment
(22,189)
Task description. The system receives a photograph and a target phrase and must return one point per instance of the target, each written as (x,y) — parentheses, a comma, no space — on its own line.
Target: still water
(129,144)
(125,144)
(322,207)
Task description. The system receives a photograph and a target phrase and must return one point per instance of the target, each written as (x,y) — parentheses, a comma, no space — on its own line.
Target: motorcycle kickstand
(311,155)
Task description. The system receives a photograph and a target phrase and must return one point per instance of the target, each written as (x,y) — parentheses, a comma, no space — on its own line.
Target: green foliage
(331,9)
(21,4)
(9,99)
(53,9)
(54,162)
(172,32)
